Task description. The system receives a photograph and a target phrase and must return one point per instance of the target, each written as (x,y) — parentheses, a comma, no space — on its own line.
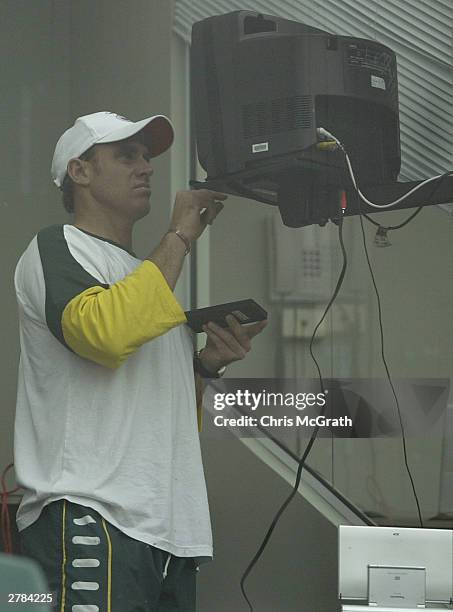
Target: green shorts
(91,566)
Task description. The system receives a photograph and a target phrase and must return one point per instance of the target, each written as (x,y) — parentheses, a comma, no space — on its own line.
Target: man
(106,437)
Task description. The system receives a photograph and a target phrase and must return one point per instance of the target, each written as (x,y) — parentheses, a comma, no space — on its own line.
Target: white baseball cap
(108,127)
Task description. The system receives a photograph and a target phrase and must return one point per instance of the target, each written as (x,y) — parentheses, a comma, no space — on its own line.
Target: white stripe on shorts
(86,563)
(90,540)
(84,520)
(85,586)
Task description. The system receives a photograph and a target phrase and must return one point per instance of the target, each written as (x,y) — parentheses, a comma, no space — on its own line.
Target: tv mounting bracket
(304,200)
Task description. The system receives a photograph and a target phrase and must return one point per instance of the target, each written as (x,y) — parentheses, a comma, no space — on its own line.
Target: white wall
(35,107)
(121,61)
(59,60)
(414,280)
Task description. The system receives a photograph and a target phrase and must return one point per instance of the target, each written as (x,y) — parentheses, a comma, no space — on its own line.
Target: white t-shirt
(106,410)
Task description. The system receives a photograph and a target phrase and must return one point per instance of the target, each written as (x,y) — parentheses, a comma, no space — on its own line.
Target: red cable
(343,201)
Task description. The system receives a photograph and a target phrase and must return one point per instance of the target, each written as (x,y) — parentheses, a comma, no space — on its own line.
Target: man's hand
(187,213)
(225,345)
(193,210)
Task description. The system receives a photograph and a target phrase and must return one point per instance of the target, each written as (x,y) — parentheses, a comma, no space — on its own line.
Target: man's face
(119,178)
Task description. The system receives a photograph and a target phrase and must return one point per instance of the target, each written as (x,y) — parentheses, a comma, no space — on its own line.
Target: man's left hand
(225,345)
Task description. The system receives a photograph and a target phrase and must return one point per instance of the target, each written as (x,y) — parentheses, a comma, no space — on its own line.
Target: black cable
(437,184)
(309,446)
(406,462)
(384,361)
(439,181)
(393,227)
(332,299)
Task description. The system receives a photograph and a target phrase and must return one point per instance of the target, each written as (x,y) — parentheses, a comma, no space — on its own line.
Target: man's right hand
(187,215)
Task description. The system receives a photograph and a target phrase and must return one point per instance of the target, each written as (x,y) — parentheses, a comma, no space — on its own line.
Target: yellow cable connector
(327,145)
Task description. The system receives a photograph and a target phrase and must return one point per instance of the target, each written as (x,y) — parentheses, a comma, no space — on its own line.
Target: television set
(262,85)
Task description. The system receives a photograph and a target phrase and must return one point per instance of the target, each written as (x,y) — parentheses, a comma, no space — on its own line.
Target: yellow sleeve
(108,325)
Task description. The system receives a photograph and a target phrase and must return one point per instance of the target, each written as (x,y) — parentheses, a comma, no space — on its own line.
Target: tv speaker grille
(279,115)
